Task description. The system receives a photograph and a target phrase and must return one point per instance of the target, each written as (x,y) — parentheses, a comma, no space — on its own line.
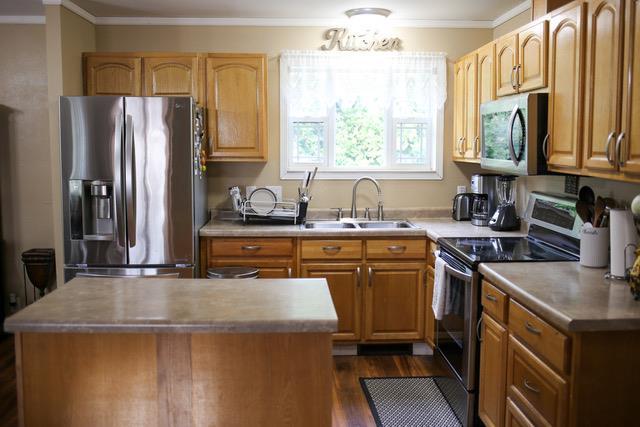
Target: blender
(506,217)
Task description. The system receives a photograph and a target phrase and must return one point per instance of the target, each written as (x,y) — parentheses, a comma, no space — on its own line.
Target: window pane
(309,144)
(411,143)
(359,134)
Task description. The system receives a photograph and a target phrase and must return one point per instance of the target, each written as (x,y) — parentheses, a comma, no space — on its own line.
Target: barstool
(232,273)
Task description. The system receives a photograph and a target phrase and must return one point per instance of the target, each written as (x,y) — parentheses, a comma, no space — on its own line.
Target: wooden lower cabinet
(394,300)
(493,370)
(345,285)
(429,316)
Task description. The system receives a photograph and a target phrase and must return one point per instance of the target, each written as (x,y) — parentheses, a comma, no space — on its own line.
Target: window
(350,112)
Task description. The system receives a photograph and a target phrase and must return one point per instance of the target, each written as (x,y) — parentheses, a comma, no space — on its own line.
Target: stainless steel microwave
(513,133)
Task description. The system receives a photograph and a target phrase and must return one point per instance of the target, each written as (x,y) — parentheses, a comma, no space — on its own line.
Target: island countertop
(103,305)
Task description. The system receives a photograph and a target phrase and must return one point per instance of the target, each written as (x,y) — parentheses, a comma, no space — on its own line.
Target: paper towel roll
(623,234)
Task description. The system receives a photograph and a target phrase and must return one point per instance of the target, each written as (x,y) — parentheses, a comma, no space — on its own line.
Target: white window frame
(398,172)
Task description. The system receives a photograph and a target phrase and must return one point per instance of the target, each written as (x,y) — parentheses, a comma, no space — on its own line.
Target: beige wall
(25,170)
(270,40)
(510,25)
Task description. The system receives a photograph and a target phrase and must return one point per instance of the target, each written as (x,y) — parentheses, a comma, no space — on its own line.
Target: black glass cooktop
(475,250)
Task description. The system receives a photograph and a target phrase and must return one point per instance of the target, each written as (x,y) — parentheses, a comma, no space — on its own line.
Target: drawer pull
(251,248)
(290,272)
(529,387)
(331,248)
(532,329)
(396,249)
(491,298)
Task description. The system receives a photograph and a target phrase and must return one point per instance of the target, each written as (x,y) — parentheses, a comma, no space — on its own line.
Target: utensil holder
(594,246)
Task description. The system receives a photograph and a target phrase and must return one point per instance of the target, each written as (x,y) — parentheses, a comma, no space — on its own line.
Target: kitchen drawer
(543,338)
(332,249)
(397,249)
(250,247)
(494,302)
(431,256)
(535,387)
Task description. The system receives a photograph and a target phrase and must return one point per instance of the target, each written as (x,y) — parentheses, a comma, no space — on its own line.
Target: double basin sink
(358,224)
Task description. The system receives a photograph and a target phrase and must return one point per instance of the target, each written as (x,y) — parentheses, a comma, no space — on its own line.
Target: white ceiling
(456,10)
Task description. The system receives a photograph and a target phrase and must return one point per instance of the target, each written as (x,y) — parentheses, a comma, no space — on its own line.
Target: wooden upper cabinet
(506,62)
(605,21)
(486,73)
(113,75)
(236,103)
(566,71)
(459,113)
(471,106)
(628,144)
(531,71)
(493,372)
(394,300)
(345,286)
(172,76)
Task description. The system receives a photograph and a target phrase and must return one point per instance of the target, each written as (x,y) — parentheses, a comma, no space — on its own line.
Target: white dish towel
(439,288)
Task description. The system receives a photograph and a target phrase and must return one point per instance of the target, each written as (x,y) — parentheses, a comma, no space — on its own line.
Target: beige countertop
(94,305)
(569,296)
(432,227)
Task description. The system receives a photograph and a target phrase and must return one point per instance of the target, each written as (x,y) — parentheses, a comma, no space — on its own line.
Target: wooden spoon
(582,208)
(599,210)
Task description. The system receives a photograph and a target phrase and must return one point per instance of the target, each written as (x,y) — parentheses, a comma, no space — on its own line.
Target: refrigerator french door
(132,199)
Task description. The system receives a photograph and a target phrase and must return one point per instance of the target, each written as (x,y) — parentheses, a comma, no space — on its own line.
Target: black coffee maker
(506,216)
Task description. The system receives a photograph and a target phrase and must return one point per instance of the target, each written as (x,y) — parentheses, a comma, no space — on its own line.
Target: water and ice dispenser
(91,208)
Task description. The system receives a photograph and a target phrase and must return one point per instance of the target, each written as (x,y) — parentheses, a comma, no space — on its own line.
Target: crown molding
(24,19)
(280,22)
(512,13)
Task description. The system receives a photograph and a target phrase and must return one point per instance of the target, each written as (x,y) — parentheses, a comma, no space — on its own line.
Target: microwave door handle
(512,148)
(129,179)
(458,274)
(117,184)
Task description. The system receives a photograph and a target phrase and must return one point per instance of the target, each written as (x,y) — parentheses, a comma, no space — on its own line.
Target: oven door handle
(459,274)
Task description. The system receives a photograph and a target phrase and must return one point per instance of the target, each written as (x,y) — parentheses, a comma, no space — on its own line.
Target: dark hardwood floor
(8,403)
(350,408)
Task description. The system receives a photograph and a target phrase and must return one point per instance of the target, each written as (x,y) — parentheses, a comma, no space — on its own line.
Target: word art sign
(342,39)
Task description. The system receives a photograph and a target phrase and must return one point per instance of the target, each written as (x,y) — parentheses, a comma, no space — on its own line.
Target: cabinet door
(531,71)
(394,301)
(567,30)
(604,63)
(471,106)
(486,84)
(345,281)
(629,146)
(430,320)
(171,76)
(506,61)
(236,103)
(493,372)
(459,114)
(112,75)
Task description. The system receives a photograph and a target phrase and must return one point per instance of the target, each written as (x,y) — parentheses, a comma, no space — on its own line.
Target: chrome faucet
(354,209)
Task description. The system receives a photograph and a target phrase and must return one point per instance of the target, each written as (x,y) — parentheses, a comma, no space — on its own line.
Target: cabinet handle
(331,248)
(606,147)
(518,76)
(476,144)
(369,275)
(464,139)
(479,328)
(491,298)
(358,276)
(618,149)
(513,70)
(532,329)
(396,249)
(290,272)
(251,248)
(545,147)
(529,387)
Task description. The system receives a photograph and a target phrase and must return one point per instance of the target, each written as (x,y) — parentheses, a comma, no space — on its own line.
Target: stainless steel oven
(456,340)
(513,134)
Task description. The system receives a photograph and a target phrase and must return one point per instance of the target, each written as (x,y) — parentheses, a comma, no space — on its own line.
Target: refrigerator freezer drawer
(126,272)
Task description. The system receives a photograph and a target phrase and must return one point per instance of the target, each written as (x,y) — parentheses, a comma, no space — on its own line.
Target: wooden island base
(176,379)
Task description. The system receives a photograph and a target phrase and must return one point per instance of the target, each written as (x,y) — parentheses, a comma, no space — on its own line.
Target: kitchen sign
(342,39)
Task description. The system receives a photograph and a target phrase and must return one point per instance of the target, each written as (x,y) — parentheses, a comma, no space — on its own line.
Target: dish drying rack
(293,211)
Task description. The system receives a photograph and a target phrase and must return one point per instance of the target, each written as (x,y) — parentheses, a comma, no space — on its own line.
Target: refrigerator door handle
(130,180)
(117,184)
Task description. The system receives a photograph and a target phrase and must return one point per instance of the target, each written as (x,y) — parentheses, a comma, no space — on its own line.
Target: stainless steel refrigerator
(134,196)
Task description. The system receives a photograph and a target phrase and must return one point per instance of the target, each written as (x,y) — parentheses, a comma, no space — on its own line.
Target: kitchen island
(176,352)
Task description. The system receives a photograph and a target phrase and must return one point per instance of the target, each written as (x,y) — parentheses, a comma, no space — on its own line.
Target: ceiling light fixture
(368,17)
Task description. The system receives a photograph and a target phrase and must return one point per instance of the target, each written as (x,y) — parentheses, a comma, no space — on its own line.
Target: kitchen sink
(386,224)
(329,224)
